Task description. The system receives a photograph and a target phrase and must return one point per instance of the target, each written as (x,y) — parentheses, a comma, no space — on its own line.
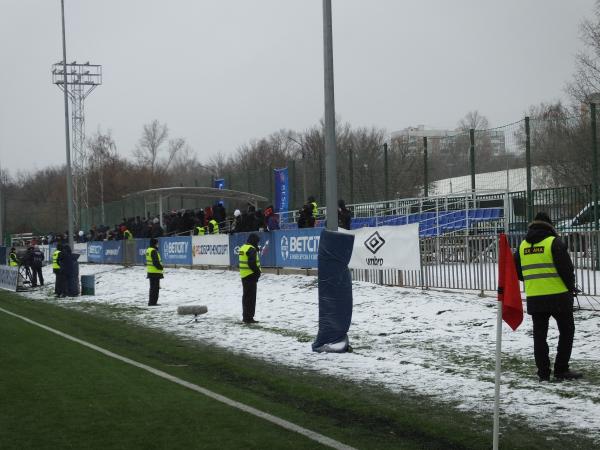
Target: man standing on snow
(544,265)
(250,273)
(154,270)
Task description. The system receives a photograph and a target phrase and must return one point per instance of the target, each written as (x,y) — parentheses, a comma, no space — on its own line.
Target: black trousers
(60,287)
(249,297)
(566,329)
(154,288)
(36,274)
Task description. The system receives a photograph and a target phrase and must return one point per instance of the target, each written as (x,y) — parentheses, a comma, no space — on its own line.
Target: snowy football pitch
(436,348)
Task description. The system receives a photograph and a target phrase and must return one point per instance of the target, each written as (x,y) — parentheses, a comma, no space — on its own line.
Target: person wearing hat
(154,271)
(544,265)
(36,268)
(236,223)
(250,273)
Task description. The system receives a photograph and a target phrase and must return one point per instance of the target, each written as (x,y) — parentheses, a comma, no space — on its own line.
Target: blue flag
(219,184)
(282,190)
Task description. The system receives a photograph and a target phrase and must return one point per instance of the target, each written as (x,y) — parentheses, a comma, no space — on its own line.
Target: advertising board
(95,252)
(176,250)
(297,248)
(210,250)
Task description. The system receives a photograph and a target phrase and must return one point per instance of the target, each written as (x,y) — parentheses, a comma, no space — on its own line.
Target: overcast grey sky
(221,73)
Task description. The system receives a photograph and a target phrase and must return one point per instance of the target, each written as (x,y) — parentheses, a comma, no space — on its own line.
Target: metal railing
(470,262)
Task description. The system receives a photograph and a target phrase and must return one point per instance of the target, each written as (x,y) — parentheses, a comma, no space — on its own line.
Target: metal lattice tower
(82,79)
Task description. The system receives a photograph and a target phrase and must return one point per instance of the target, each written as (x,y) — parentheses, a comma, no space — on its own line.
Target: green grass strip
(66,396)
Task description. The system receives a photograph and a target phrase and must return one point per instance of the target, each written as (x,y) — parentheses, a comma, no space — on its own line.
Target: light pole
(1,208)
(330,149)
(67,137)
(303,152)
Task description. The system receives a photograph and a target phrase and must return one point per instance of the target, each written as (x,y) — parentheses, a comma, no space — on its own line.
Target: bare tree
(586,79)
(561,144)
(146,153)
(102,153)
(473,120)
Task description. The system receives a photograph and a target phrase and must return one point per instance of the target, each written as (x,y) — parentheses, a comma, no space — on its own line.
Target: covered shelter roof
(152,196)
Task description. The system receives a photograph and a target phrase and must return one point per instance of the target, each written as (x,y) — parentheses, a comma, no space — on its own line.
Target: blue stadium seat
(496,213)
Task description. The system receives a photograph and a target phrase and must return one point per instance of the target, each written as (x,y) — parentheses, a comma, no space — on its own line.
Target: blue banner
(297,248)
(113,252)
(219,183)
(266,248)
(282,190)
(95,251)
(176,250)
(141,245)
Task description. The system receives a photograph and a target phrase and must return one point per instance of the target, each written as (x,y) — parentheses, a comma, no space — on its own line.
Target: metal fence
(471,263)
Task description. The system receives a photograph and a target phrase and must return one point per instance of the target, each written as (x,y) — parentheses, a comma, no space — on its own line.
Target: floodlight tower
(81,80)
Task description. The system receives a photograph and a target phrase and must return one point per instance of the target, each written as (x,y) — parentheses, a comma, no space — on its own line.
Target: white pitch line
(313,435)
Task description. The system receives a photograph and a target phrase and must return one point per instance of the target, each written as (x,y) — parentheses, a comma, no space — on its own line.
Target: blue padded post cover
(335,292)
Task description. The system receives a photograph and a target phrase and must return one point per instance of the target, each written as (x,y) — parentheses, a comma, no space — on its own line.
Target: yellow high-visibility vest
(539,272)
(150,267)
(127,235)
(315,209)
(55,259)
(201,231)
(244,267)
(215,225)
(12,260)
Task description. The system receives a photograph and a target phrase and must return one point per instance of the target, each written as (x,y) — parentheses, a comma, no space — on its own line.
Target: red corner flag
(509,292)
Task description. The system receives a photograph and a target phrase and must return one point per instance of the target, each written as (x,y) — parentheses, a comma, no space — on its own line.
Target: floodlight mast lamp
(80,80)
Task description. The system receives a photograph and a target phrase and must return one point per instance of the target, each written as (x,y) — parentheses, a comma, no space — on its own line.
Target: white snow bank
(432,343)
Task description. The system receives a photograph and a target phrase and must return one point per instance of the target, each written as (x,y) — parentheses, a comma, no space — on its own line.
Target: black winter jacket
(537,232)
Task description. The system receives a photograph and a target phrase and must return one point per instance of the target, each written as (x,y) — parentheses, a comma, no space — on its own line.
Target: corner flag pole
(497,390)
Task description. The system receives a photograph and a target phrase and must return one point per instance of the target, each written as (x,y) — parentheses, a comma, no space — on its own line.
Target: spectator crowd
(209,220)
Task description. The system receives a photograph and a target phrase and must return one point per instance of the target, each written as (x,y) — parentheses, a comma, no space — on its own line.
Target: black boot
(568,375)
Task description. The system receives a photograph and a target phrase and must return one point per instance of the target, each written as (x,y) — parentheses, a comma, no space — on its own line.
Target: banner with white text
(210,250)
(388,247)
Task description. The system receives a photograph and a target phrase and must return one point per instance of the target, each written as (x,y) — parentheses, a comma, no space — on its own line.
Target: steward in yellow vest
(58,263)
(13,261)
(199,231)
(544,265)
(250,273)
(55,257)
(154,271)
(313,204)
(213,226)
(127,235)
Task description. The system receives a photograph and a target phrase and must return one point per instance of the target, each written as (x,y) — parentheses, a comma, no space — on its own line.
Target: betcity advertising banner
(81,250)
(176,250)
(9,277)
(389,247)
(297,248)
(95,252)
(211,250)
(266,248)
(282,188)
(113,252)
